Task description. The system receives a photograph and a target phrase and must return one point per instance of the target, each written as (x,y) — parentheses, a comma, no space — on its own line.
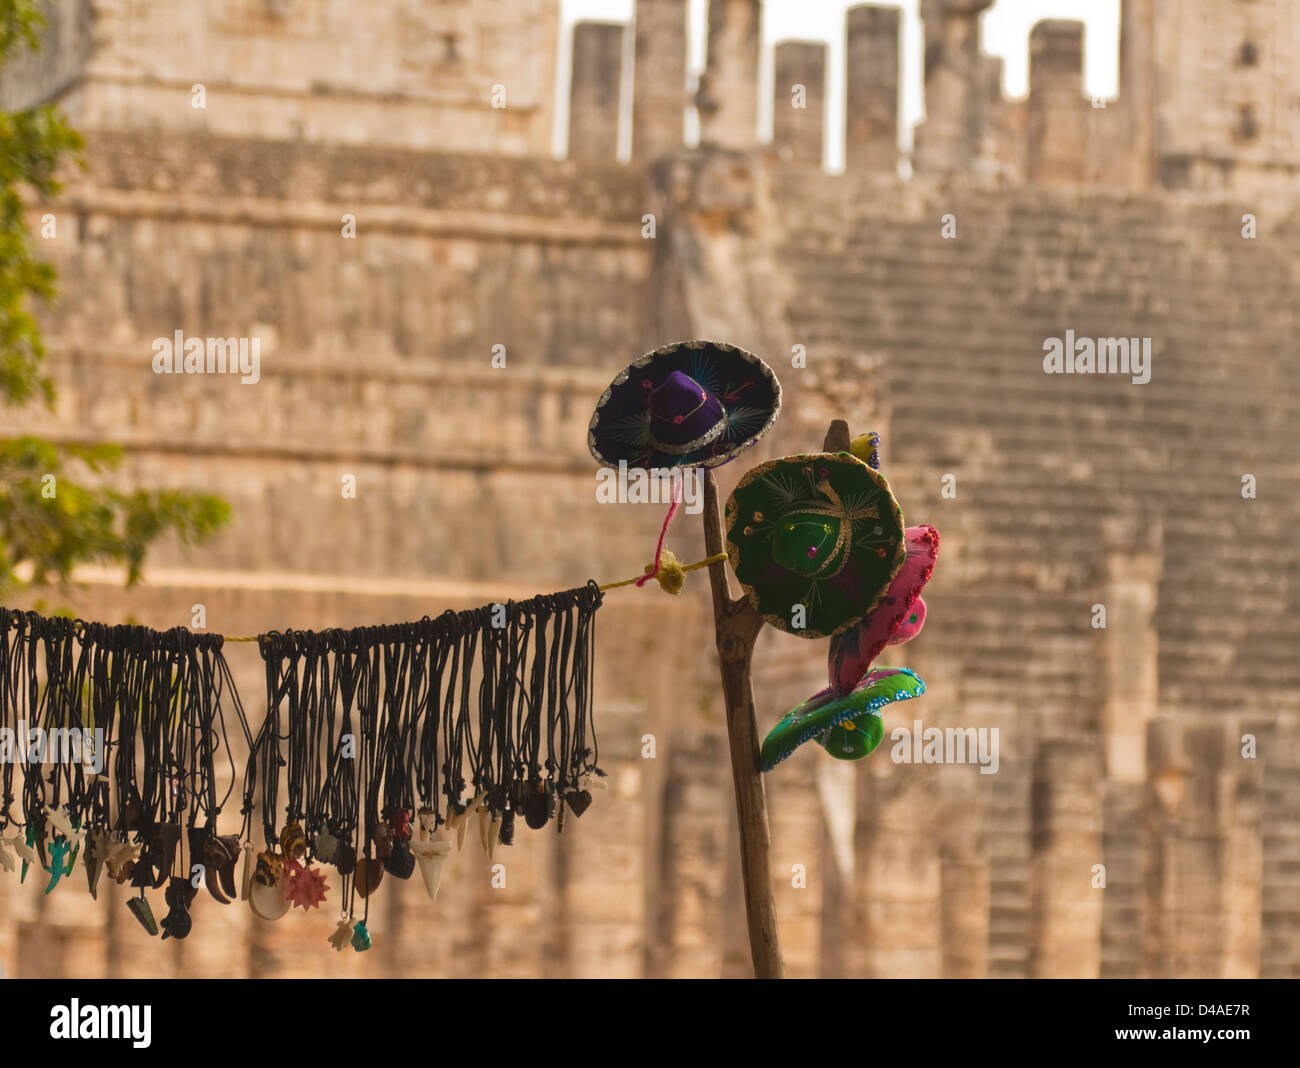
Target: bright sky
(1006,33)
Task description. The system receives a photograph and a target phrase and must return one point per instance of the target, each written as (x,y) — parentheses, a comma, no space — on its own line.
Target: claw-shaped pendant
(96,851)
(219,855)
(76,840)
(457,823)
(226,872)
(26,851)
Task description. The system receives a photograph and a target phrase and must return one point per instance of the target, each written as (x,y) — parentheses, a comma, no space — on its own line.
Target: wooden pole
(736,625)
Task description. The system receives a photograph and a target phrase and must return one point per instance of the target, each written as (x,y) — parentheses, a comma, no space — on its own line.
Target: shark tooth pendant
(431,856)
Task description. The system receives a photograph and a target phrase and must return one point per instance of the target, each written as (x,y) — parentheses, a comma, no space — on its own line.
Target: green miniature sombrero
(848,726)
(819,530)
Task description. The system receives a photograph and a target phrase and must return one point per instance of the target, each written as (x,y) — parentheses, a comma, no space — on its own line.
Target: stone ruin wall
(1119,747)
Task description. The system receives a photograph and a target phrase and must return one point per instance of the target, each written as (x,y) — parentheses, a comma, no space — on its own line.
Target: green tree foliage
(49,521)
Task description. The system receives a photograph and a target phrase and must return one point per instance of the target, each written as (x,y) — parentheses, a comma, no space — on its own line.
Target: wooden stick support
(736,625)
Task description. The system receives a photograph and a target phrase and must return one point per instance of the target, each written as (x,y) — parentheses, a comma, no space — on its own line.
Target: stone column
(1241,822)
(659,78)
(899,888)
(871,109)
(950,137)
(1202,900)
(1058,111)
(965,875)
(1129,658)
(1130,645)
(728,95)
(593,92)
(1066,842)
(798,100)
(693,858)
(1137,73)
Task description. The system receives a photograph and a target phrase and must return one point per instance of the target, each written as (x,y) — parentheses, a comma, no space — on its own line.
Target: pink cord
(663,533)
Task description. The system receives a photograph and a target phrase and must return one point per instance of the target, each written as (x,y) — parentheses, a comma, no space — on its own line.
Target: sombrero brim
(746,386)
(824,710)
(853,651)
(877,552)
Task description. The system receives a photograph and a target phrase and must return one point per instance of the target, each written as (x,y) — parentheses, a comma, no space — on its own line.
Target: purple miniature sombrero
(689,404)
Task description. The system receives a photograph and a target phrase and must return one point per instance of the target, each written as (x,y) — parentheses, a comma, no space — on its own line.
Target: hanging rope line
(670,574)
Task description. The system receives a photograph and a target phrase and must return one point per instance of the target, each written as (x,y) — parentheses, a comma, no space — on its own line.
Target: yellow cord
(672,575)
(671,579)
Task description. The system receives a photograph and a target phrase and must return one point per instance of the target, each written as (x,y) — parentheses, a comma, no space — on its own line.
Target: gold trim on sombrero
(836,510)
(712,434)
(704,399)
